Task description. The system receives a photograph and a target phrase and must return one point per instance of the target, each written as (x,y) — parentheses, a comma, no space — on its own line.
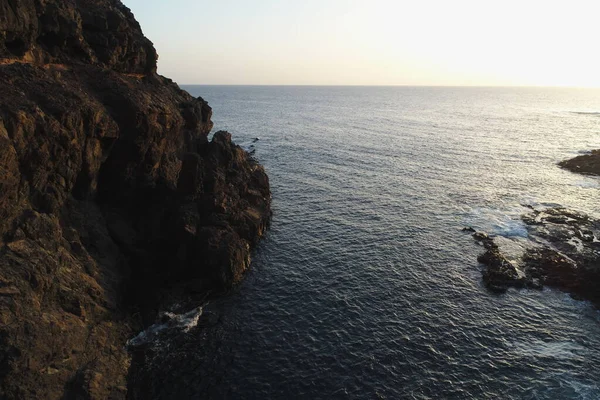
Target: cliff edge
(111,195)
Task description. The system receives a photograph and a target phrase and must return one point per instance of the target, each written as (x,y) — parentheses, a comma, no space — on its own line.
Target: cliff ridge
(111,195)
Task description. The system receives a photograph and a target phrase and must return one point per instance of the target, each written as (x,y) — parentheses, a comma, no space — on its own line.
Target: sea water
(365,287)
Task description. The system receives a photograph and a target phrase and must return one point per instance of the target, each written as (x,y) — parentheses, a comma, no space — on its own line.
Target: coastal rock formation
(501,273)
(588,164)
(564,253)
(111,195)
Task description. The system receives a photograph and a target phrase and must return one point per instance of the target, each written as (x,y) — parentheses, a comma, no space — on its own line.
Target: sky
(375,42)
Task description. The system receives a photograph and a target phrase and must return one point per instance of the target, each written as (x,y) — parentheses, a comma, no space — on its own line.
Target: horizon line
(393,85)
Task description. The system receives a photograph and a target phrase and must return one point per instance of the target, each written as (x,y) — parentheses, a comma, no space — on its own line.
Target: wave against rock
(563,252)
(110,193)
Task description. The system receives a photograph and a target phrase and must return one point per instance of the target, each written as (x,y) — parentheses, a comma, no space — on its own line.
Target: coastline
(113,202)
(565,251)
(116,208)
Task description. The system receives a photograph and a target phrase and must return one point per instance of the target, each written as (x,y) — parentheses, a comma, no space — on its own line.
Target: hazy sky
(375,42)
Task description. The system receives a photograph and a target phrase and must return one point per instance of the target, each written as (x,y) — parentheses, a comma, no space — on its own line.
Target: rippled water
(365,287)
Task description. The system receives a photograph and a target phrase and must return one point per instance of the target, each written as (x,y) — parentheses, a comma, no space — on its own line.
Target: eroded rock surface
(111,195)
(564,253)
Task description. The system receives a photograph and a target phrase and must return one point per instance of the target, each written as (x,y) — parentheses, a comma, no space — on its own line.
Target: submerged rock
(111,197)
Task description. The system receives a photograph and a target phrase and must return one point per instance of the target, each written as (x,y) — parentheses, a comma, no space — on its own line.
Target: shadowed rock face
(110,193)
(96,32)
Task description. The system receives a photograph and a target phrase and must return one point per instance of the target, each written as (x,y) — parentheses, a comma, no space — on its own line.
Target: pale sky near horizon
(375,42)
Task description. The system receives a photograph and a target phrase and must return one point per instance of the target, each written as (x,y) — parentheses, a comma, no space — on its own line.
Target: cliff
(111,195)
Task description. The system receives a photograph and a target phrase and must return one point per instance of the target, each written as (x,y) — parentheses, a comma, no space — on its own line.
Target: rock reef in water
(588,164)
(565,254)
(110,193)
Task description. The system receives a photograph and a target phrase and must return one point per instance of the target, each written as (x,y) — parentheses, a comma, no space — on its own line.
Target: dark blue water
(365,287)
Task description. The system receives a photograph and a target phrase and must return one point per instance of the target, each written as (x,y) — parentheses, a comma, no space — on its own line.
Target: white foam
(583,390)
(497,222)
(587,184)
(512,248)
(558,350)
(168,320)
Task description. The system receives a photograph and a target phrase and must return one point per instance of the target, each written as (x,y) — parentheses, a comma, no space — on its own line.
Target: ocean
(365,287)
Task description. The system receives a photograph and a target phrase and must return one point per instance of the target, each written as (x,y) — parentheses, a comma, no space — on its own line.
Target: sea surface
(365,287)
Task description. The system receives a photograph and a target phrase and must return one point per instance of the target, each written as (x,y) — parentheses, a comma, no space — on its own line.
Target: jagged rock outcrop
(563,252)
(110,192)
(103,33)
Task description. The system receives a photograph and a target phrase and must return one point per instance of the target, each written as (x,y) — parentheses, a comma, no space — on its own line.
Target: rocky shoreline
(113,200)
(563,250)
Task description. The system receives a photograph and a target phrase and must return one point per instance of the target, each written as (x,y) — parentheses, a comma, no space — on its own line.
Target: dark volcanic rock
(569,256)
(110,193)
(584,164)
(103,33)
(565,254)
(501,273)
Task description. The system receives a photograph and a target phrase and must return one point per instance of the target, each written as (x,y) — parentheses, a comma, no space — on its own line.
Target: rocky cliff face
(110,193)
